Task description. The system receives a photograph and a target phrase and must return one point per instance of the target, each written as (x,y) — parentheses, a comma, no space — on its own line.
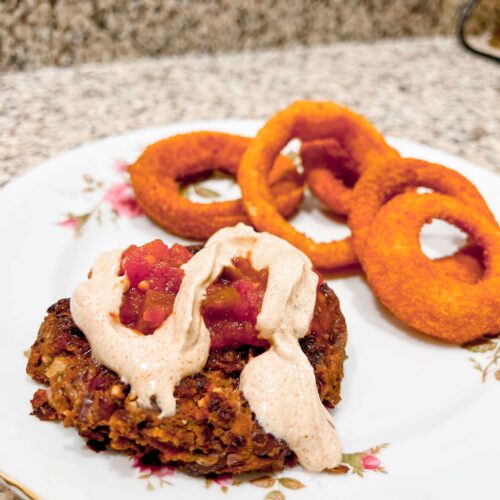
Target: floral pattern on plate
(486,356)
(352,463)
(119,196)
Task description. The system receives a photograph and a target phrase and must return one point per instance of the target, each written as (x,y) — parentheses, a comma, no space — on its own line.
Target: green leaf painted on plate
(482,346)
(290,483)
(263,481)
(377,449)
(274,495)
(205,192)
(364,461)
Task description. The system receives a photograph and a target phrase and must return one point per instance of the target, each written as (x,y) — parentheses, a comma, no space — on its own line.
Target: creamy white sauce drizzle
(279,385)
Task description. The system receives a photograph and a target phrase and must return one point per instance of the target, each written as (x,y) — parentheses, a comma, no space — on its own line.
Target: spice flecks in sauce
(279,384)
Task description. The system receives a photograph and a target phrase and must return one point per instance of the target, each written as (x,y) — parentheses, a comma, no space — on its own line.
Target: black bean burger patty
(213,430)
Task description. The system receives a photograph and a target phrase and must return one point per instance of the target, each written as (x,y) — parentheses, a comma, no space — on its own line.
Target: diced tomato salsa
(155,278)
(230,308)
(232,305)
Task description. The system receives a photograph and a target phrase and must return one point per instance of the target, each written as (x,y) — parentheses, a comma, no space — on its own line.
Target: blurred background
(36,33)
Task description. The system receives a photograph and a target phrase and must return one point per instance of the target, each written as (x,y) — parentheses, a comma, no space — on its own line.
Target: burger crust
(213,430)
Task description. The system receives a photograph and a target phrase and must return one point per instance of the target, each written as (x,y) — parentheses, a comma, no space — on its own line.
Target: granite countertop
(427,90)
(37,33)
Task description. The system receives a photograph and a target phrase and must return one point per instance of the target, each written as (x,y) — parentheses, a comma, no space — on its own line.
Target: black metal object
(464,17)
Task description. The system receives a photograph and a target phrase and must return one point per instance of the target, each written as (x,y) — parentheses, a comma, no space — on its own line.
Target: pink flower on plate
(363,461)
(157,470)
(370,462)
(223,480)
(121,166)
(74,222)
(122,201)
(69,223)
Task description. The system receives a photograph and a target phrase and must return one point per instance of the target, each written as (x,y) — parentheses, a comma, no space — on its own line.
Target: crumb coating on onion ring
(158,173)
(331,171)
(417,291)
(305,120)
(378,185)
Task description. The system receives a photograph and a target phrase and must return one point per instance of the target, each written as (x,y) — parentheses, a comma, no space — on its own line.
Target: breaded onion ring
(163,165)
(331,171)
(378,185)
(413,288)
(305,120)
(466,264)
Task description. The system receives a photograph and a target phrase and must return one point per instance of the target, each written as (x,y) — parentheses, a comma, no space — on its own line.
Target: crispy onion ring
(466,264)
(331,171)
(413,289)
(163,165)
(378,185)
(305,120)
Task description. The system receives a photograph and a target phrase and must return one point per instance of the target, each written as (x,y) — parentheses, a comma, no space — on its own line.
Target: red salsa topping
(230,308)
(155,278)
(232,305)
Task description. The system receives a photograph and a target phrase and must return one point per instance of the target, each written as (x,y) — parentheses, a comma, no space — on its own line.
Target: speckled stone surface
(427,90)
(36,33)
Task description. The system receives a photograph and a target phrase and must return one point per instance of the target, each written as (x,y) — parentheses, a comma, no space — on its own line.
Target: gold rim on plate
(18,486)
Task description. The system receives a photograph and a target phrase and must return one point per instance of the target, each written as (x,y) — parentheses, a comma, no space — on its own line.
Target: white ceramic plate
(425,399)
